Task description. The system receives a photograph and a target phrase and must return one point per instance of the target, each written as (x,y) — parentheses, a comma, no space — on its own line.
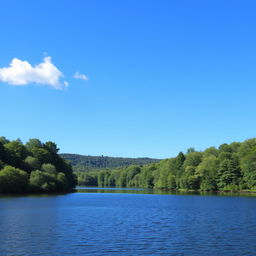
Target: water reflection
(157,191)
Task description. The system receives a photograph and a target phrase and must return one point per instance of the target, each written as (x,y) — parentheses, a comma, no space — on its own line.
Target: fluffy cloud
(22,73)
(77,75)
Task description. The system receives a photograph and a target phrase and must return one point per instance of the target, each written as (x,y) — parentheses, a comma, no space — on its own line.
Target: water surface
(127,222)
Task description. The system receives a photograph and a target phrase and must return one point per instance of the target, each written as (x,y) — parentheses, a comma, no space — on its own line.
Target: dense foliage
(82,163)
(33,167)
(231,167)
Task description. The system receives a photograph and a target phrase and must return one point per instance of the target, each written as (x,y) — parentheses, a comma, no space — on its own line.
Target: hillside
(89,163)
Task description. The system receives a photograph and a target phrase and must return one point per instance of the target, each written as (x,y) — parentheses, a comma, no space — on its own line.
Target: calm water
(124,222)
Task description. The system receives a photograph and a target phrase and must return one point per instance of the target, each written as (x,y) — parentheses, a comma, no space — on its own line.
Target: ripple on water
(128,224)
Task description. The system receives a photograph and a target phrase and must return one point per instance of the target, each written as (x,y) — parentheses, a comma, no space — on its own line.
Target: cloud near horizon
(78,75)
(23,73)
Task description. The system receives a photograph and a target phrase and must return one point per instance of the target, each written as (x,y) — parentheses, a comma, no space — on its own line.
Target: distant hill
(90,163)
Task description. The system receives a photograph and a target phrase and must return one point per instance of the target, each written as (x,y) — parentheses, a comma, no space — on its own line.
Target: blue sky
(162,75)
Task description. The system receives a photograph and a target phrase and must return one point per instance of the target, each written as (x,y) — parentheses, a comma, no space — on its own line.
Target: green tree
(211,151)
(49,168)
(131,171)
(33,143)
(16,152)
(146,176)
(225,148)
(19,161)
(40,181)
(62,182)
(13,180)
(3,140)
(191,150)
(42,154)
(32,163)
(248,166)
(101,175)
(193,159)
(51,146)
(247,147)
(190,180)
(171,182)
(207,170)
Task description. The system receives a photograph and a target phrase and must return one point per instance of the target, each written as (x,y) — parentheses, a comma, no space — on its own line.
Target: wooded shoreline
(230,167)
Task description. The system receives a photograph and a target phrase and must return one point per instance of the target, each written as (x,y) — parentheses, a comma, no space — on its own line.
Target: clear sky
(154,77)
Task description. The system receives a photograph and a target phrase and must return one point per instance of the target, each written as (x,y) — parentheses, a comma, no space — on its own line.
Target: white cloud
(77,75)
(22,73)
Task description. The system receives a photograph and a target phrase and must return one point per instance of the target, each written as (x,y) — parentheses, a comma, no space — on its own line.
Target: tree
(3,140)
(62,182)
(207,170)
(225,177)
(33,143)
(189,179)
(1,164)
(247,147)
(51,146)
(13,180)
(131,172)
(2,152)
(193,159)
(146,176)
(21,164)
(32,163)
(211,151)
(235,146)
(101,178)
(248,166)
(42,182)
(179,161)
(171,182)
(164,172)
(16,152)
(49,168)
(42,154)
(225,148)
(190,150)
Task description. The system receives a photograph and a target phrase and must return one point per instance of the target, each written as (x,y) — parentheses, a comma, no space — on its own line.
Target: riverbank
(92,189)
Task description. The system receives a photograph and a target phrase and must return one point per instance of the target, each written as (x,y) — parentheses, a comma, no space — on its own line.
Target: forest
(33,167)
(83,163)
(230,167)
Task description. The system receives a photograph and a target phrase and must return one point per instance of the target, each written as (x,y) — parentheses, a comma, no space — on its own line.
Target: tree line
(33,167)
(230,167)
(83,163)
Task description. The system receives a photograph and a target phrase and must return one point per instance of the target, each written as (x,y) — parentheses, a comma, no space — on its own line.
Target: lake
(127,222)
